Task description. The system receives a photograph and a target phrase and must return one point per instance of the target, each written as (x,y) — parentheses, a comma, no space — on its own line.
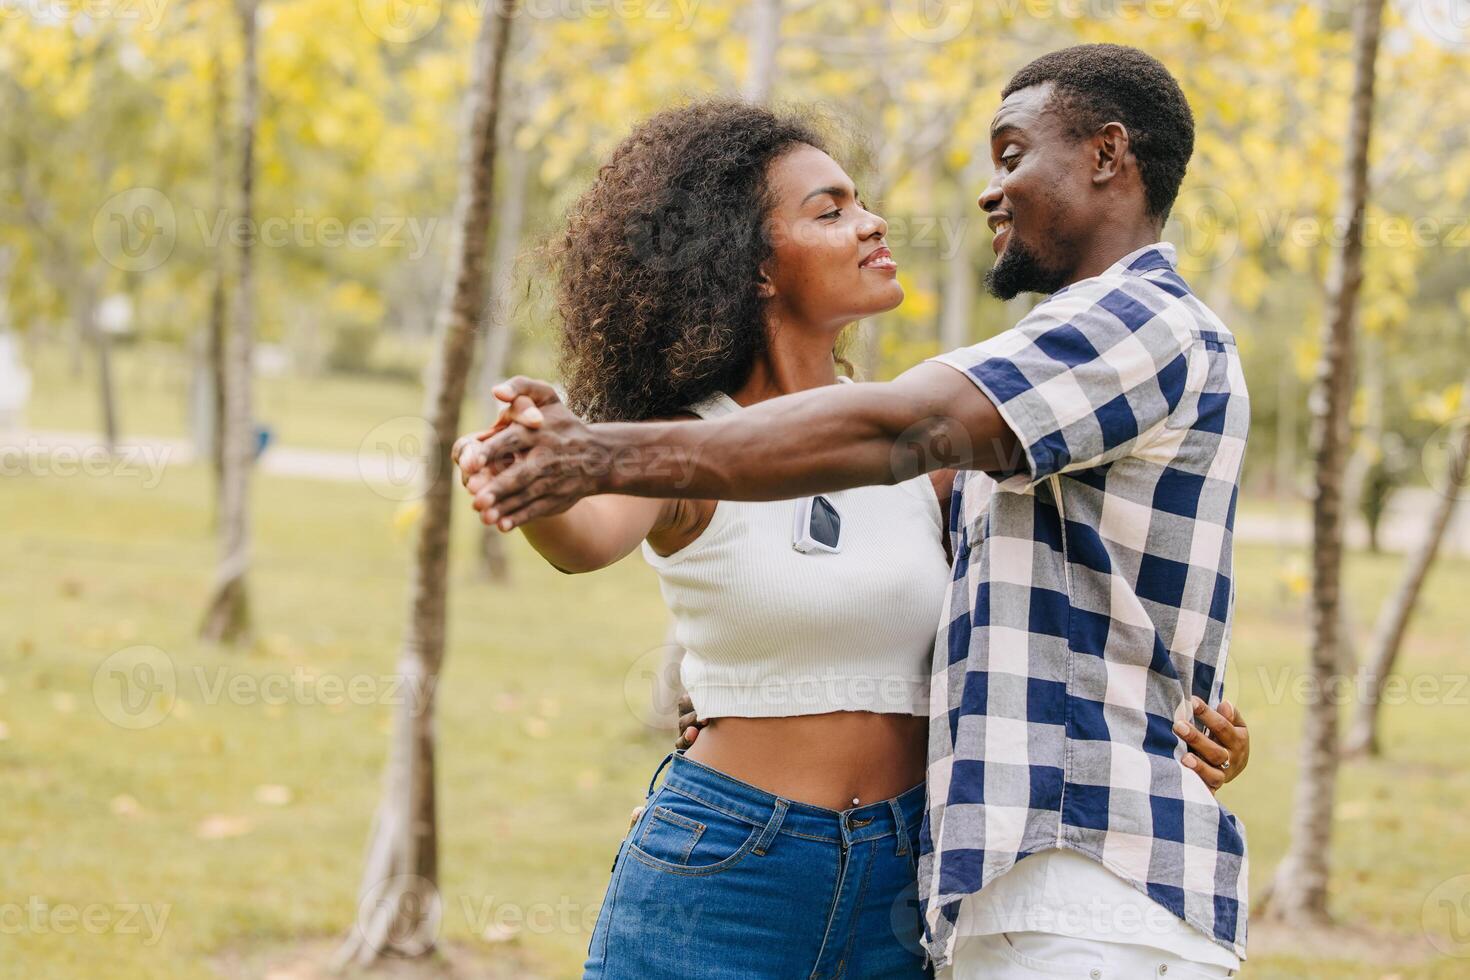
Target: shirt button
(1096,974)
(1163,968)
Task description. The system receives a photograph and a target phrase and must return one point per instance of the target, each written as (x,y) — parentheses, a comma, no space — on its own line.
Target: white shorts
(1037,955)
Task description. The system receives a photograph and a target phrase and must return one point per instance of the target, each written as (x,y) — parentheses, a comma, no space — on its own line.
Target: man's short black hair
(1094,84)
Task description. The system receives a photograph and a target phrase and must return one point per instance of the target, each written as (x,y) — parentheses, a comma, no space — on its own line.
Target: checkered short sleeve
(1086,378)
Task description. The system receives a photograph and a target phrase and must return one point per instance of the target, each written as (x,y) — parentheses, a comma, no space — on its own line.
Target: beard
(1020,270)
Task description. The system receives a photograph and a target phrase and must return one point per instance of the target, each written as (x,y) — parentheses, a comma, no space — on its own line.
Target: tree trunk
(764,39)
(1299,892)
(1388,638)
(498,329)
(215,338)
(956,324)
(84,310)
(227,619)
(399,892)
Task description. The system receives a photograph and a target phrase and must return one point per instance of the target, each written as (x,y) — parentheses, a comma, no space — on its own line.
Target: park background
(257,259)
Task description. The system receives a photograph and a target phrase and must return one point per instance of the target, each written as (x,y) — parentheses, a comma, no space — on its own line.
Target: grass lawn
(327,412)
(237,822)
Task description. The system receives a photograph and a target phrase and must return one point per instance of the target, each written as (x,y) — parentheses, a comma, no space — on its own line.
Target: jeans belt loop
(773,825)
(660,769)
(901,826)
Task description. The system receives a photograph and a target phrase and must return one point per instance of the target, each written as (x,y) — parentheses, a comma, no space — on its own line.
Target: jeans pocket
(667,833)
(684,835)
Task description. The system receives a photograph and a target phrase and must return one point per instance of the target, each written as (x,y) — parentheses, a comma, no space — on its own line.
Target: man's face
(1037,198)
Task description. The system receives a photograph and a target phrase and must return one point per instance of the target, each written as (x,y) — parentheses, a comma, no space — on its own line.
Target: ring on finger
(1226,764)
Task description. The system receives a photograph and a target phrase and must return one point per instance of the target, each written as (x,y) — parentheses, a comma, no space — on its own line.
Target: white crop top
(770,631)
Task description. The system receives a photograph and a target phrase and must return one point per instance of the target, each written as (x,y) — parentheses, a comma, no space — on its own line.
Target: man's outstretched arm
(825,439)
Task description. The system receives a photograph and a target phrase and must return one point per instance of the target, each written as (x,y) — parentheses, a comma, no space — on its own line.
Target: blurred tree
(401,872)
(763,38)
(1299,891)
(227,616)
(1393,622)
(214,345)
(497,325)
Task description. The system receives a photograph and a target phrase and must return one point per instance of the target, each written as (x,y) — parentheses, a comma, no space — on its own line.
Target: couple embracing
(962,632)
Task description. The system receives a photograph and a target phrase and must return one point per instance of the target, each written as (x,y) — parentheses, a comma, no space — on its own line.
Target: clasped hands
(532,462)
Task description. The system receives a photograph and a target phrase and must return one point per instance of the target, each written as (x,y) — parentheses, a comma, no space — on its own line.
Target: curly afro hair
(1094,84)
(658,266)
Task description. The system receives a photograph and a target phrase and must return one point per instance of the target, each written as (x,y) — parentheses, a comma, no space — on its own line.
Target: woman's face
(830,265)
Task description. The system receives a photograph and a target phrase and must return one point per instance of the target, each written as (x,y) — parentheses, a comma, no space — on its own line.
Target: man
(1089,615)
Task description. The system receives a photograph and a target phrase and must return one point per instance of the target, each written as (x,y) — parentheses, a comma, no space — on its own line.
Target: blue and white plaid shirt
(1091,596)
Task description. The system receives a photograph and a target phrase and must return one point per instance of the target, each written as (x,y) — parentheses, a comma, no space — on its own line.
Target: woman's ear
(763,284)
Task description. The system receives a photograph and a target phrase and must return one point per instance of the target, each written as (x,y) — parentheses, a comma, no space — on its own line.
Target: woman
(713,264)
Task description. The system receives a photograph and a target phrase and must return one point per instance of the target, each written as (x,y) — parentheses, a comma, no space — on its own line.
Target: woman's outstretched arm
(592,534)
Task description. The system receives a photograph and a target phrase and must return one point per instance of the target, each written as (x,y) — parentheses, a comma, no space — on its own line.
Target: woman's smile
(880,260)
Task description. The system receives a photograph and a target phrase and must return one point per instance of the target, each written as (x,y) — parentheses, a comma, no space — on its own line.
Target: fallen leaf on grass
(220,826)
(273,794)
(125,806)
(499,933)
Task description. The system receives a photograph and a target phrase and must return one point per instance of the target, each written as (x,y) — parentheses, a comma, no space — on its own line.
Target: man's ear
(1111,147)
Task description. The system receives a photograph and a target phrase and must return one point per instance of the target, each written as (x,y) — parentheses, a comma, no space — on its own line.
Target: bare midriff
(828,760)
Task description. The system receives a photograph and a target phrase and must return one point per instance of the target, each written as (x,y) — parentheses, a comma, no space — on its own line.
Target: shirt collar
(1149,258)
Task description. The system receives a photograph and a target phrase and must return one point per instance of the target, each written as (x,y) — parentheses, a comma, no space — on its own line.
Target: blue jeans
(719,879)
